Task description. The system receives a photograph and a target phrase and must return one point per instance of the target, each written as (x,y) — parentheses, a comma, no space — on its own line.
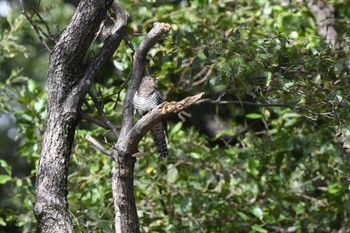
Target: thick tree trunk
(51,206)
(68,82)
(126,220)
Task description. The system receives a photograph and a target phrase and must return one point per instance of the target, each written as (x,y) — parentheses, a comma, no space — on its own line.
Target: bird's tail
(159,139)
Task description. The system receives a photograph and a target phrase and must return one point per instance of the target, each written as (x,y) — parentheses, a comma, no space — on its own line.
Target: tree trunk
(126,219)
(67,86)
(51,206)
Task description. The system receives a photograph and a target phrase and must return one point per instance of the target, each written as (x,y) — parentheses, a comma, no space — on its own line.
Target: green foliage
(270,170)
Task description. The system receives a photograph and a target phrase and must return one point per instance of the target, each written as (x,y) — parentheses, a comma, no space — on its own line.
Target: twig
(313,115)
(207,71)
(96,121)
(183,114)
(98,146)
(99,107)
(218,101)
(128,42)
(38,31)
(120,90)
(49,35)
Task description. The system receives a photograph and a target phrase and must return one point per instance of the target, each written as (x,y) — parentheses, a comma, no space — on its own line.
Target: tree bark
(126,219)
(68,83)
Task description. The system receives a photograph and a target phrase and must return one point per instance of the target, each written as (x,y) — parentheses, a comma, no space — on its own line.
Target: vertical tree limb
(158,30)
(126,219)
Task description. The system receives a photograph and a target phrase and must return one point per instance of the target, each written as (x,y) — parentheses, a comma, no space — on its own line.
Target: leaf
(2,222)
(254,116)
(334,188)
(173,174)
(257,211)
(175,129)
(4,179)
(149,170)
(257,228)
(5,165)
(196,65)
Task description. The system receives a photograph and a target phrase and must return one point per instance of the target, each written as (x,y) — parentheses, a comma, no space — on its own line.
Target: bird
(146,98)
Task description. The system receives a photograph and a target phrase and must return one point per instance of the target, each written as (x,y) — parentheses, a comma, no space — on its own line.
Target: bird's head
(149,81)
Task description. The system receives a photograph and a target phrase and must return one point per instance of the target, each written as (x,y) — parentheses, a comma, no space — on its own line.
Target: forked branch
(158,30)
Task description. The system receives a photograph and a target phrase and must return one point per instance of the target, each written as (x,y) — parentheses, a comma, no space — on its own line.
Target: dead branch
(100,110)
(39,32)
(98,145)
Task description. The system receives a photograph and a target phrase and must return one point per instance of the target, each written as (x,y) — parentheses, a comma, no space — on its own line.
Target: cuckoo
(146,98)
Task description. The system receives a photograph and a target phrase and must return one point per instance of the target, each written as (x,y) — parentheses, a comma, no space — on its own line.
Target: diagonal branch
(94,120)
(98,145)
(38,30)
(158,30)
(130,142)
(111,43)
(100,110)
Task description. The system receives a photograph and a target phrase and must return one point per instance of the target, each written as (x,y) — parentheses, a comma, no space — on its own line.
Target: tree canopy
(266,149)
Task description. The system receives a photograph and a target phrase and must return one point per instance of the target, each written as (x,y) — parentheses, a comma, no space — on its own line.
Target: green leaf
(257,228)
(196,65)
(257,211)
(4,179)
(254,116)
(176,128)
(334,188)
(5,165)
(2,222)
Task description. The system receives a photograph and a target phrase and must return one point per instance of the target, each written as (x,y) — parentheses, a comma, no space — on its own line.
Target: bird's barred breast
(143,103)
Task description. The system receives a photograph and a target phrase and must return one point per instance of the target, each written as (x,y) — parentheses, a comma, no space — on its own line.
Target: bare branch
(110,44)
(100,110)
(205,72)
(129,143)
(98,122)
(219,101)
(120,91)
(98,146)
(158,30)
(94,120)
(39,32)
(48,35)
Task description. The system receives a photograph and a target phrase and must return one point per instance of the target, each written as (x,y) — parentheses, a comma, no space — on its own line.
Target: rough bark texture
(126,219)
(67,85)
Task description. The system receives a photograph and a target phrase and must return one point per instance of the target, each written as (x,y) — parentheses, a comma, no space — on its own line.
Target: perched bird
(146,98)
